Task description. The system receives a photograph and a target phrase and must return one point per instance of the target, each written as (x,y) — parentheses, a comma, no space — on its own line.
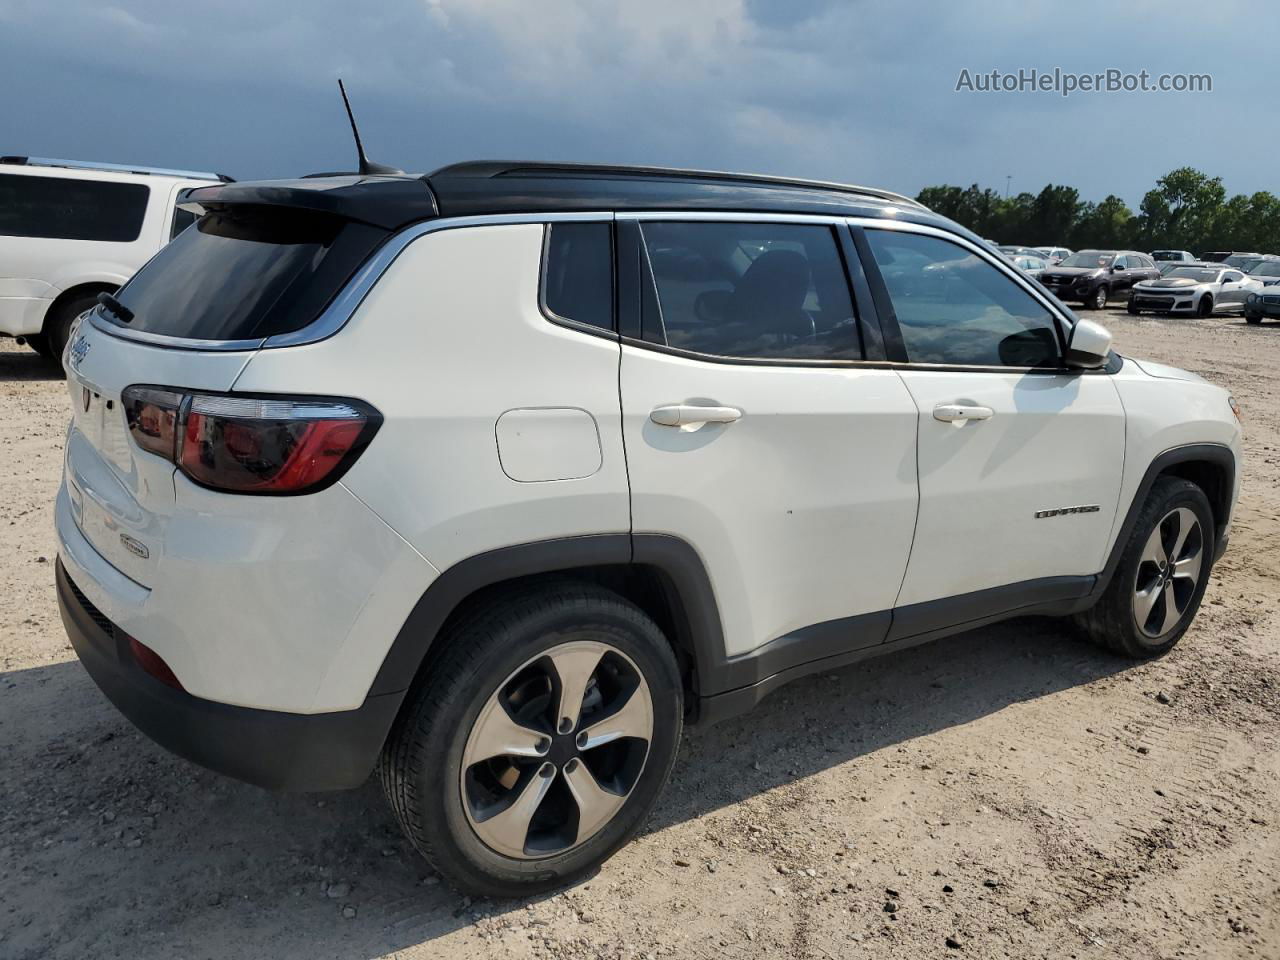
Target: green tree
(1054,214)
(1107,225)
(1180,212)
(1186,210)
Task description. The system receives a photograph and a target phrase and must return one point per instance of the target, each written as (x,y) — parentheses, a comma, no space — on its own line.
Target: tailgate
(122,497)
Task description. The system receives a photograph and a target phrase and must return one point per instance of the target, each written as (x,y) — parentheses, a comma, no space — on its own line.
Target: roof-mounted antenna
(367,166)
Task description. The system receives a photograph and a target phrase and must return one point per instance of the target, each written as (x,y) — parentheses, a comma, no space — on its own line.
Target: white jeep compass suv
(70,230)
(494,478)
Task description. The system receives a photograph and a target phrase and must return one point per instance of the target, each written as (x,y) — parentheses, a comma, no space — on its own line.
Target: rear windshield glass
(63,208)
(246,272)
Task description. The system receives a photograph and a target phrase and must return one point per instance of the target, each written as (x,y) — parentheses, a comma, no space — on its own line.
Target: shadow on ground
(109,846)
(23,363)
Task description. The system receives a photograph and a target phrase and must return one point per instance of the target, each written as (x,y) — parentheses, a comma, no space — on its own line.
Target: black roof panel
(515,187)
(497,187)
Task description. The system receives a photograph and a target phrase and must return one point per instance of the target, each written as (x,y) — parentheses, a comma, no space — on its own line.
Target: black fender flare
(681,574)
(1220,456)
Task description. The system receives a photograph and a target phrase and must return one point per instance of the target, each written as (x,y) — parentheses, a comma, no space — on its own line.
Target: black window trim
(632,271)
(609,333)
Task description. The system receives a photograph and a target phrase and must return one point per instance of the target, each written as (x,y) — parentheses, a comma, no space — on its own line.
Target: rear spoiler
(389,202)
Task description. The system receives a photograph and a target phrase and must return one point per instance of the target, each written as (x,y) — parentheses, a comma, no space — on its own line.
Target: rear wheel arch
(56,319)
(662,575)
(78,292)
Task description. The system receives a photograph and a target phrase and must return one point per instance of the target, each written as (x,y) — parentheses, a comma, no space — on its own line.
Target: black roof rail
(113,168)
(499,168)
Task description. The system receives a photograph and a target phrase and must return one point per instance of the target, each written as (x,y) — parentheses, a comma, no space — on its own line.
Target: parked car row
(1199,288)
(1094,277)
(1164,281)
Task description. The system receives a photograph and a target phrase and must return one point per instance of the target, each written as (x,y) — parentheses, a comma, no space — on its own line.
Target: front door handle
(686,414)
(961,412)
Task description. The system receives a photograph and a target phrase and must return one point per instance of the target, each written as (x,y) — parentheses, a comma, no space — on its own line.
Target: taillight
(153,418)
(245,444)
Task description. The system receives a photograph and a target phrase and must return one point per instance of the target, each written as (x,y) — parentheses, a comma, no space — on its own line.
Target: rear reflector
(242,444)
(154,664)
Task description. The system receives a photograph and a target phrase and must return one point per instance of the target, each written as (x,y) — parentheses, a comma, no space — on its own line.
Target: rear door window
(245,272)
(65,208)
(750,290)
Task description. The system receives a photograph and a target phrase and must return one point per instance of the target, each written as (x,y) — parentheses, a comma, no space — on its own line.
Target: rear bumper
(323,751)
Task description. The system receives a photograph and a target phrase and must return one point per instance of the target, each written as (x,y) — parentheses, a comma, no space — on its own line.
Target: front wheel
(1205,306)
(1098,299)
(1156,589)
(539,742)
(1132,307)
(1253,318)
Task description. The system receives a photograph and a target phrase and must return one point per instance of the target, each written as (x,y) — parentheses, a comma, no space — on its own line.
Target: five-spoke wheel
(1168,572)
(557,749)
(1160,578)
(538,740)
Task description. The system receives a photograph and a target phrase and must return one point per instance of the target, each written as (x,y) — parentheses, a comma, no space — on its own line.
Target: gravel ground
(1008,793)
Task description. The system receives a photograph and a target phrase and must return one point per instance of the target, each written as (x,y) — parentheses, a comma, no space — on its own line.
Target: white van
(71,230)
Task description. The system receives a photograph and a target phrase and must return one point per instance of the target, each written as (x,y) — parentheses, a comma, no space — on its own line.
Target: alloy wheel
(1168,572)
(556,750)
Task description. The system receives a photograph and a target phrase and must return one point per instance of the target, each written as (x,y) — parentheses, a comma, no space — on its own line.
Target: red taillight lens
(154,664)
(271,445)
(152,414)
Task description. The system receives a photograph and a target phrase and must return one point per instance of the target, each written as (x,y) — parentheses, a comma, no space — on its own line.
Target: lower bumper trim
(287,751)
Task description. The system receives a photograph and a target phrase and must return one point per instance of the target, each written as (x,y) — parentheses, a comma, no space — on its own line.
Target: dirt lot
(1011,789)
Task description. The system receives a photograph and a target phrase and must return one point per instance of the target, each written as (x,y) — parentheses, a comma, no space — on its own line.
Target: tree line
(1187,210)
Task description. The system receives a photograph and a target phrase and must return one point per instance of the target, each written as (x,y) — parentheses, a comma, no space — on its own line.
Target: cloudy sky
(855,91)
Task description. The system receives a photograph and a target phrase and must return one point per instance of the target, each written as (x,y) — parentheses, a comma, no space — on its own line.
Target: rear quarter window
(63,208)
(577,280)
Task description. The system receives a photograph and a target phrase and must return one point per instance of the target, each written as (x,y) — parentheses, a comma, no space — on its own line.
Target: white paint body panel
(1053,441)
(1167,408)
(801,510)
(284,603)
(56,264)
(552,443)
(444,345)
(501,427)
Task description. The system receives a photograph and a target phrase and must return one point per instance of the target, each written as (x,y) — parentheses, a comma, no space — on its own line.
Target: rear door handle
(685,414)
(961,412)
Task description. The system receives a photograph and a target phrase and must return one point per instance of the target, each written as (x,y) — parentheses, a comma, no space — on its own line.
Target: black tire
(1132,307)
(421,766)
(1098,299)
(40,344)
(57,325)
(1205,307)
(1253,318)
(1113,622)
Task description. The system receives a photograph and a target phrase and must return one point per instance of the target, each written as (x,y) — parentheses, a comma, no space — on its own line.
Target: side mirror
(1089,345)
(1117,269)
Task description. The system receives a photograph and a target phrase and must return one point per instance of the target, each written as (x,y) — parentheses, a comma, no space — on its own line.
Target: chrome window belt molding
(344,305)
